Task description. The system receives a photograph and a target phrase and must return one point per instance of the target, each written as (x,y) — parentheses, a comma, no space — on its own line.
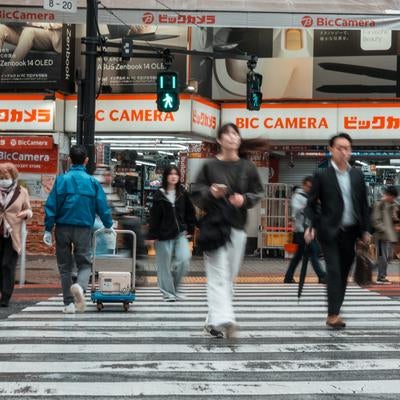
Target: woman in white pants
(225,189)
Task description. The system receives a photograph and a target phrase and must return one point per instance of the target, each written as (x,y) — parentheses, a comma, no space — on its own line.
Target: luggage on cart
(113,286)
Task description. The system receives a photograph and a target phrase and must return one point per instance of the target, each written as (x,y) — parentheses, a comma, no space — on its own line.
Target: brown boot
(335,322)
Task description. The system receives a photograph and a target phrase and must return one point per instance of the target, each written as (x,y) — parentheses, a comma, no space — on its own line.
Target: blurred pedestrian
(14,209)
(225,189)
(338,210)
(299,203)
(72,206)
(385,216)
(172,222)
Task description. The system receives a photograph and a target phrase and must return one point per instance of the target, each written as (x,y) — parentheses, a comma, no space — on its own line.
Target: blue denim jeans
(172,258)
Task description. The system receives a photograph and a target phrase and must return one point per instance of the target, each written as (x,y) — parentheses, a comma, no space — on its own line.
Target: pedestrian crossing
(158,350)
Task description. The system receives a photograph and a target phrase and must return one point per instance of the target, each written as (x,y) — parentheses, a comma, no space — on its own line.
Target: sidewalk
(43,270)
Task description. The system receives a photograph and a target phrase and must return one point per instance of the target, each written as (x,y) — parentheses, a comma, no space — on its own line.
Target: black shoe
(289,281)
(322,280)
(213,332)
(4,304)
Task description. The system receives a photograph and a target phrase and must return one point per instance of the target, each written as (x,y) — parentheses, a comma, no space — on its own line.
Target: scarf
(6,195)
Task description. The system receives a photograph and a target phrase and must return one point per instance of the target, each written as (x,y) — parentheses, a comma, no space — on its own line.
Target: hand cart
(113,286)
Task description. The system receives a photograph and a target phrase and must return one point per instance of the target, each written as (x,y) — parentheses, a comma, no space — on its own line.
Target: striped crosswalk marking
(158,350)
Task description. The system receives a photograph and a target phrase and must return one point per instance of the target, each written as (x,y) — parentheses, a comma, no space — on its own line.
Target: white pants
(222,267)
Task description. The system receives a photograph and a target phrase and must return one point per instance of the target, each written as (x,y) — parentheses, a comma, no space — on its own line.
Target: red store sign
(26,142)
(34,161)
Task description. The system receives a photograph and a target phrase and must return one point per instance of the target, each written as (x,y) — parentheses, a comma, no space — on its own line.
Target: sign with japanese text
(316,121)
(28,142)
(23,115)
(205,117)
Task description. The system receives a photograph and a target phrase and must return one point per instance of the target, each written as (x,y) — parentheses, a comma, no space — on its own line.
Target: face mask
(5,183)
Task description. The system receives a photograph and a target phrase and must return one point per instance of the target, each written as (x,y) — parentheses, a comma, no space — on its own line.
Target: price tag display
(60,5)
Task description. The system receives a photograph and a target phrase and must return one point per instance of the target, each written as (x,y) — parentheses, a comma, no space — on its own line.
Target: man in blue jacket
(72,206)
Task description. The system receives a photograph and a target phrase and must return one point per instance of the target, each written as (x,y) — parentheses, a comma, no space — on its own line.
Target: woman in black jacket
(225,189)
(172,221)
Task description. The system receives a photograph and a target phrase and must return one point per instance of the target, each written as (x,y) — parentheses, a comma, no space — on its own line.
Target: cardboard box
(114,281)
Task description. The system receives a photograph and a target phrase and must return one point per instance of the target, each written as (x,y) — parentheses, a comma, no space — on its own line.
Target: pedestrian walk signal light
(167,91)
(254,95)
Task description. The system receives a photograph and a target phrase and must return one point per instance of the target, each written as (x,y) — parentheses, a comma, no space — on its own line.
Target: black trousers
(8,263)
(339,256)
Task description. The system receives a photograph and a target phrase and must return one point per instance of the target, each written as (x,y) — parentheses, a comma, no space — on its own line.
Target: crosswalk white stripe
(318,321)
(196,348)
(200,366)
(203,388)
(251,333)
(167,337)
(184,304)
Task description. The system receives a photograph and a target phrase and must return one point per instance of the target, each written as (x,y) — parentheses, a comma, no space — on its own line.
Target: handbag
(215,227)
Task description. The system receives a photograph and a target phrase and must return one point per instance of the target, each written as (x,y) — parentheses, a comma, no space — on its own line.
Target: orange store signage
(23,115)
(316,121)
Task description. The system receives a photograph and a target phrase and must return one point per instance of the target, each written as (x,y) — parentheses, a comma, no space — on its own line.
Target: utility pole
(87,93)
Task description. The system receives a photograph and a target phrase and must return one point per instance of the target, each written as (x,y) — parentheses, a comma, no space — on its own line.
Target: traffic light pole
(88,90)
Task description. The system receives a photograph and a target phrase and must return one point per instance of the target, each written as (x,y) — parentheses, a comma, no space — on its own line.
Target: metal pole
(89,86)
(22,264)
(80,111)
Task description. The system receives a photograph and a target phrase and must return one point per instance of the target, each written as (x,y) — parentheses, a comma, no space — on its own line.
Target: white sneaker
(79,298)
(69,309)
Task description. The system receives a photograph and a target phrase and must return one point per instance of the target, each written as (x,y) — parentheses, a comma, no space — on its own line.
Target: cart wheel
(126,306)
(100,306)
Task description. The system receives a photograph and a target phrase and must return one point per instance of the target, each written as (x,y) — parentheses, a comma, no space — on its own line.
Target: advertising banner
(138,75)
(31,160)
(37,55)
(216,18)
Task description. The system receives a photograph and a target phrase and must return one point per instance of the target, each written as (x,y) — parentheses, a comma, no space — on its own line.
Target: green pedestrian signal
(254,95)
(167,91)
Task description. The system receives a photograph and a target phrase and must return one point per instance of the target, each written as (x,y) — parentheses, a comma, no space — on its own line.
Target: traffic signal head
(254,95)
(126,49)
(167,91)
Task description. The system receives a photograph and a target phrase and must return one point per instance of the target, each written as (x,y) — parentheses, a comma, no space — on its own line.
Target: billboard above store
(315,18)
(26,113)
(36,55)
(316,121)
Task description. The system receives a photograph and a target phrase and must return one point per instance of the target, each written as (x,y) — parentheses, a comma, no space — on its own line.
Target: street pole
(88,91)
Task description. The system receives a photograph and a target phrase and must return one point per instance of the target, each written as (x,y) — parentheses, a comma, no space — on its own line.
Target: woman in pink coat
(14,208)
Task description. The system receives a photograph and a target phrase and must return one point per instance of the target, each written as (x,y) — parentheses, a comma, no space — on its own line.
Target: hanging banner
(255,19)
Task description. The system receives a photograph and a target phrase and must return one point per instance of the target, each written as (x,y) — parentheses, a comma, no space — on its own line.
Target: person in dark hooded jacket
(172,221)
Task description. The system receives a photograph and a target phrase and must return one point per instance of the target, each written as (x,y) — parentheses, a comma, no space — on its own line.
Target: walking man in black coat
(338,211)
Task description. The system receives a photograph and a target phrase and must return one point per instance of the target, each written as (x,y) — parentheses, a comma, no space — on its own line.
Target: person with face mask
(14,209)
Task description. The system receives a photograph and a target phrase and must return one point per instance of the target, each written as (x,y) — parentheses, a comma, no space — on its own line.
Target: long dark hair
(247,145)
(167,171)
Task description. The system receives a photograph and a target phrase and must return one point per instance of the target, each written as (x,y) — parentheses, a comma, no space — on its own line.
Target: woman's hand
(25,214)
(237,200)
(218,190)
